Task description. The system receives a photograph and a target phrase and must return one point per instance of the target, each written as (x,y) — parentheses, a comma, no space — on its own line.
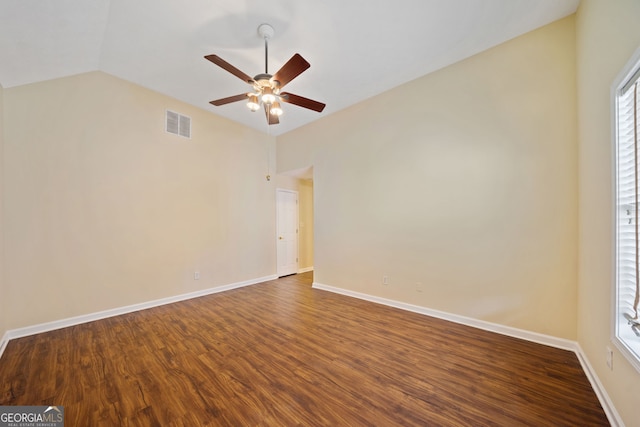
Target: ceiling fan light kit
(266,88)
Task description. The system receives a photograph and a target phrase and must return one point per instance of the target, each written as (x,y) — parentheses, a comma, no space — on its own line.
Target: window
(627,131)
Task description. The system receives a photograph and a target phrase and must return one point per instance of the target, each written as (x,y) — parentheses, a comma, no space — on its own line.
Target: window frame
(628,72)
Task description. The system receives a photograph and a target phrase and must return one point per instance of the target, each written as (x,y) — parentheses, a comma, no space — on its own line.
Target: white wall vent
(178,124)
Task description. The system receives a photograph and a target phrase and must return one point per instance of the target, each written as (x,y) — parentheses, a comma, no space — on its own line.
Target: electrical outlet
(610,358)
(418,286)
(385,280)
(196,275)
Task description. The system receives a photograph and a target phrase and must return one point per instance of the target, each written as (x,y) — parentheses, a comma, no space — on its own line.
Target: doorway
(287,232)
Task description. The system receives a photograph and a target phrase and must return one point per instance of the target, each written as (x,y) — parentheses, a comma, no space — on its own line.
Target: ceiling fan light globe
(267,96)
(253,104)
(276,109)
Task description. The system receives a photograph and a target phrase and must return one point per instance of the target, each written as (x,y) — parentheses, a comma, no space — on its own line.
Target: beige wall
(3,293)
(608,33)
(464,181)
(105,209)
(305,191)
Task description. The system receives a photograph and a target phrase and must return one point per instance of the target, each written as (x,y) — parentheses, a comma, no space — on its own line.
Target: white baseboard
(3,342)
(598,388)
(305,270)
(480,324)
(71,321)
(603,397)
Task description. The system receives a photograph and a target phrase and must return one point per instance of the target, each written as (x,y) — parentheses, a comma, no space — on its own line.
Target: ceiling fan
(266,88)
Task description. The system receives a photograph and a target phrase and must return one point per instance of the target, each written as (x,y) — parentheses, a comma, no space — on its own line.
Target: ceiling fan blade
(292,69)
(229,100)
(301,101)
(271,118)
(230,68)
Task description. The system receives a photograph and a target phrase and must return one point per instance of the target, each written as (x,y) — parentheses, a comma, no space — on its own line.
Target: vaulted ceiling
(356,48)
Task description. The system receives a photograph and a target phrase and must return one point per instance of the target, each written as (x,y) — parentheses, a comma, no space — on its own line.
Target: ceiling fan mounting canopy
(266,31)
(266,87)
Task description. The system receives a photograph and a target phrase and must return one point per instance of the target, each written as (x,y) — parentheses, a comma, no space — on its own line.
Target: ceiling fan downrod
(266,31)
(266,55)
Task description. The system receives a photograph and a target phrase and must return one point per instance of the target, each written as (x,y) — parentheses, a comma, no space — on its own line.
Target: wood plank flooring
(283,354)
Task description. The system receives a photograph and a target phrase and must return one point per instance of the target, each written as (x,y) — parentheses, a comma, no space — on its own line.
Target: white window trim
(622,78)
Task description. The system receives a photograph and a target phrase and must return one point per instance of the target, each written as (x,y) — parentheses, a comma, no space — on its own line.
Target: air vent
(178,124)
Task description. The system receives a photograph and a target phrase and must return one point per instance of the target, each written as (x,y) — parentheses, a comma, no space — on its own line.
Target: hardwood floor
(282,354)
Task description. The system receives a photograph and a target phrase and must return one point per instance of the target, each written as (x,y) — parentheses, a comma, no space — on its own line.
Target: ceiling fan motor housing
(265,80)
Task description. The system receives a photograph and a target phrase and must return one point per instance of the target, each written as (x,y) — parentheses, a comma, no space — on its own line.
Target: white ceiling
(357,48)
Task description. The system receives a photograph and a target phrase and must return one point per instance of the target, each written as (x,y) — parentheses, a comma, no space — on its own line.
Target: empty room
(320,213)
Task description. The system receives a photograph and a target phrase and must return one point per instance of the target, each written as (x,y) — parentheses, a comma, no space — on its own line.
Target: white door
(287,229)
